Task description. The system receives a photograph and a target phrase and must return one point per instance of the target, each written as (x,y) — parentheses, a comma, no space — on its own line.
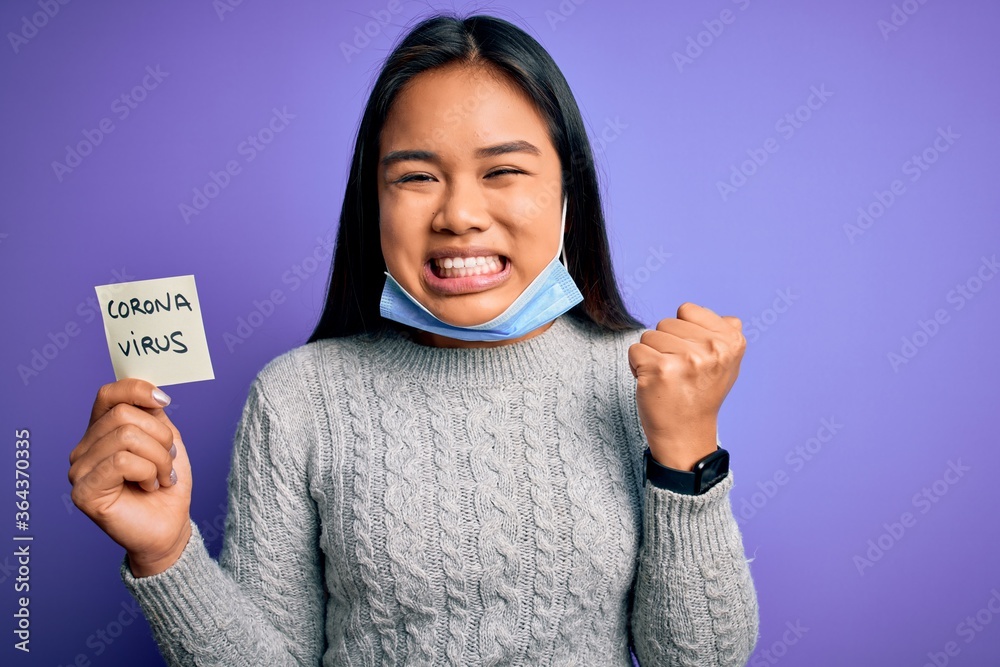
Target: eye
(416,178)
(503,171)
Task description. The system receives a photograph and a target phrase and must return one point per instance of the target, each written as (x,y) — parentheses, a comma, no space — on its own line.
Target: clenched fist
(684,369)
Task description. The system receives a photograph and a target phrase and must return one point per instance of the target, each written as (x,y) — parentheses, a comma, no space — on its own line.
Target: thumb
(131,391)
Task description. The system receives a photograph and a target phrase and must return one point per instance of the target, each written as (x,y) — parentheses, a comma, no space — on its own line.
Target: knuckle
(119,412)
(716,347)
(702,363)
(104,393)
(161,436)
(76,495)
(696,362)
(663,368)
(129,433)
(170,433)
(729,346)
(118,459)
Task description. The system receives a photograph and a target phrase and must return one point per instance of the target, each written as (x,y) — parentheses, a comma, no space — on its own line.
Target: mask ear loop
(562,230)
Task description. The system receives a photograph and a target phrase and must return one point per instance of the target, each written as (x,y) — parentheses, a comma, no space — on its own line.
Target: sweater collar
(396,352)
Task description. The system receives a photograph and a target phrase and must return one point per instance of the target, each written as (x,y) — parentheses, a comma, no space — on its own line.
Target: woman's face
(469,193)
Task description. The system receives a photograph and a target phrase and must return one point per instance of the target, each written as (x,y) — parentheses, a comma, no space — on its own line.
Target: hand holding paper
(131,475)
(130,471)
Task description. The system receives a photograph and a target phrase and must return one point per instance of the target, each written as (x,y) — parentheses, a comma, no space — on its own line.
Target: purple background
(666,135)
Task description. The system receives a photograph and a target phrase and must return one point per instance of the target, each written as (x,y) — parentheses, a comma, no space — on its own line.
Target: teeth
(462,267)
(465,262)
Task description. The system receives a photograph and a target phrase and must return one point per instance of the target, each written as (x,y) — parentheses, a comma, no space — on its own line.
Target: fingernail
(173,476)
(173,451)
(156,484)
(161,398)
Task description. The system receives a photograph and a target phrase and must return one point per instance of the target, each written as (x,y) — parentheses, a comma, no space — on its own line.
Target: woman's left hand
(684,370)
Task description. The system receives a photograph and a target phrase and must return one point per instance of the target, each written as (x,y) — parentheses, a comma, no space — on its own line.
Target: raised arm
(694,600)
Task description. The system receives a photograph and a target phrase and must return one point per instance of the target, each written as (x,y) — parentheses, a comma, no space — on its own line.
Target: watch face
(711,469)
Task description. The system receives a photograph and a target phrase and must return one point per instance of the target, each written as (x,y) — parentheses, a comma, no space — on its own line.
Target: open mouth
(466,273)
(466,267)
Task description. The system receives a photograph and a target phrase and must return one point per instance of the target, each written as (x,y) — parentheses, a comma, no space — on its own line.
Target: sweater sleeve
(263,602)
(695,603)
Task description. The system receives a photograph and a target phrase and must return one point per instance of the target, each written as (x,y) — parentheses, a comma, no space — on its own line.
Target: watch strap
(705,474)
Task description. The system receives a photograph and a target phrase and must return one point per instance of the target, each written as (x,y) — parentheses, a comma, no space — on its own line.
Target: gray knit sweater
(397,504)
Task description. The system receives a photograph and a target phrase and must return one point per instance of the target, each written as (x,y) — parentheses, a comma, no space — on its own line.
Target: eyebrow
(519,146)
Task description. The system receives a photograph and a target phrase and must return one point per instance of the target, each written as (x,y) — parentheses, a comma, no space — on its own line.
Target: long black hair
(357,276)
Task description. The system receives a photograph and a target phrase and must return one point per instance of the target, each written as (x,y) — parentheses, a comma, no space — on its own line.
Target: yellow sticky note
(155,331)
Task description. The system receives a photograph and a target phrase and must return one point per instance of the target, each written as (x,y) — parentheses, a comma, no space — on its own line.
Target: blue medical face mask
(549,295)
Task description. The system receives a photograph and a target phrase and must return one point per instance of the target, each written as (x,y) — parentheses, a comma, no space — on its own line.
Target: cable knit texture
(397,504)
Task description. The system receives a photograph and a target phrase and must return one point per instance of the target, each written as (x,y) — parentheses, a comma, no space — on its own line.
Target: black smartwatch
(707,472)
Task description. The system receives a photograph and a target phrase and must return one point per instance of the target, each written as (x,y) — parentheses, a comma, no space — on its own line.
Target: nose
(462,210)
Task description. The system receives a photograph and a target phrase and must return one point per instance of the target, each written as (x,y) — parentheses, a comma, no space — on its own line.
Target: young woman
(480,458)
